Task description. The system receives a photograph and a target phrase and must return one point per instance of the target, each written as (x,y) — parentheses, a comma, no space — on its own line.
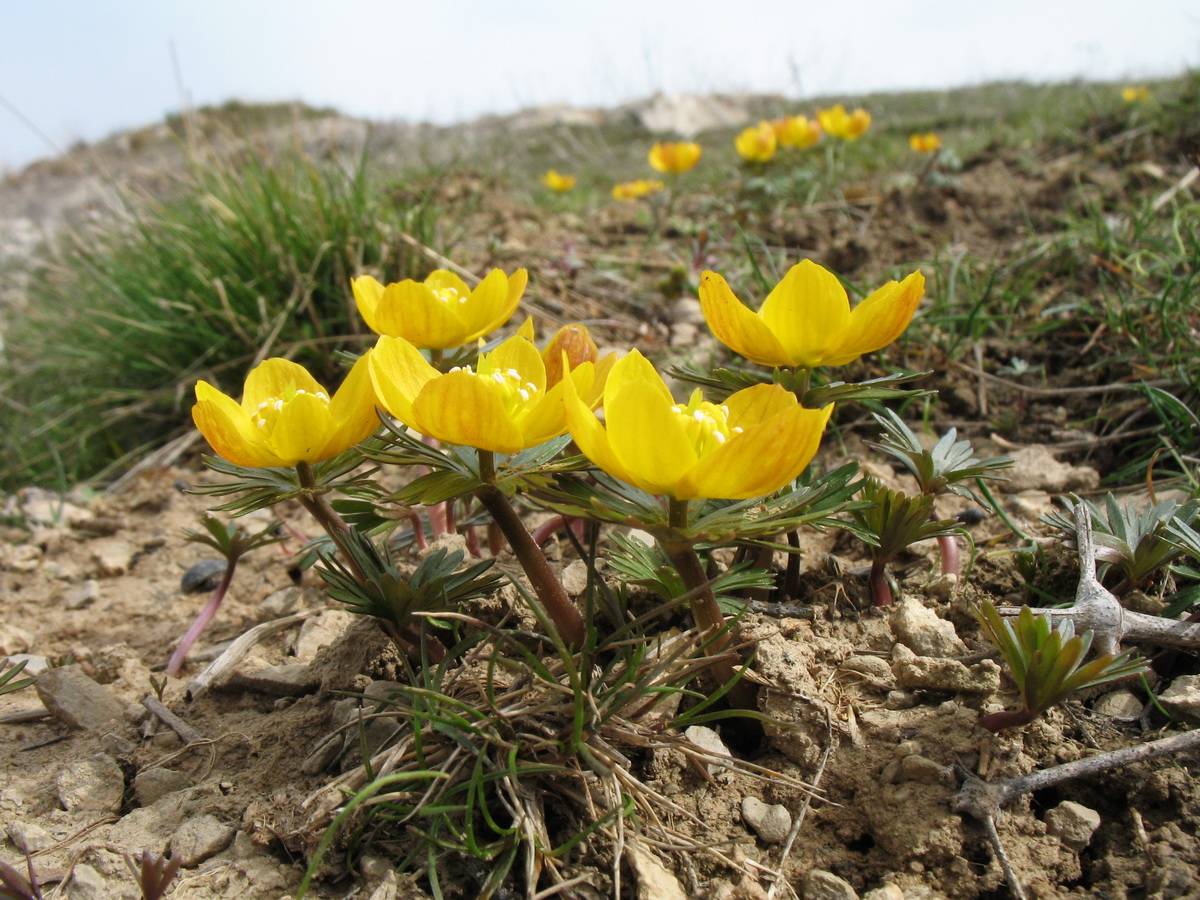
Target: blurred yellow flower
(632,190)
(441,312)
(840,124)
(924,143)
(556,182)
(757,143)
(797,131)
(806,321)
(674,158)
(754,443)
(1135,94)
(285,417)
(503,404)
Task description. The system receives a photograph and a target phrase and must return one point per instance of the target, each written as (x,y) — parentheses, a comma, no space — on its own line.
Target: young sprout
(232,543)
(1137,544)
(8,676)
(1044,660)
(385,593)
(892,522)
(946,467)
(154,873)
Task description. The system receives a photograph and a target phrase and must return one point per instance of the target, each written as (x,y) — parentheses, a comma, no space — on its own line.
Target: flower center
(449,295)
(267,413)
(514,391)
(706,424)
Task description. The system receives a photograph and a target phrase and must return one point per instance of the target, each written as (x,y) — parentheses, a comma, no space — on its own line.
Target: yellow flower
(757,143)
(632,190)
(806,321)
(797,131)
(441,312)
(847,126)
(754,443)
(285,417)
(1135,94)
(924,143)
(557,182)
(504,404)
(675,158)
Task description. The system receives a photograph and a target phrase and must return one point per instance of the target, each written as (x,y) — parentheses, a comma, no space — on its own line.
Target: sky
(74,70)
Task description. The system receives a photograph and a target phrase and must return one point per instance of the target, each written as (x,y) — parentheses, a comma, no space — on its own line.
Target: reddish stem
(1008,718)
(201,622)
(881,591)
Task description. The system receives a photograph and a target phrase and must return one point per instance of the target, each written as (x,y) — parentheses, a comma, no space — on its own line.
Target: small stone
(113,556)
(897,700)
(20,557)
(34,665)
(291,600)
(923,631)
(1035,468)
(1073,824)
(1032,506)
(84,595)
(278,681)
(874,670)
(654,880)
(320,631)
(76,700)
(928,674)
(942,587)
(685,309)
(379,690)
(823,885)
(152,785)
(884,892)
(772,823)
(710,742)
(921,770)
(200,838)
(88,884)
(1120,704)
(30,838)
(1183,696)
(14,640)
(575,578)
(203,576)
(93,783)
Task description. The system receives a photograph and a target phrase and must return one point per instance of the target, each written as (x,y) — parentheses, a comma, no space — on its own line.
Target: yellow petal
(736,326)
(411,310)
(521,355)
(633,368)
(368,294)
(493,302)
(546,418)
(398,373)
(527,330)
(646,434)
(461,408)
(756,404)
(760,460)
(301,430)
(808,311)
(591,437)
(227,427)
(352,409)
(880,319)
(273,378)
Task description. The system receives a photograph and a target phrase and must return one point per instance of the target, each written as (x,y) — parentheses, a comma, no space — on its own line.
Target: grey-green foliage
(1136,542)
(945,467)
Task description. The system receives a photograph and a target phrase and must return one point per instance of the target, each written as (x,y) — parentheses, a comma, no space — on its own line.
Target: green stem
(563,612)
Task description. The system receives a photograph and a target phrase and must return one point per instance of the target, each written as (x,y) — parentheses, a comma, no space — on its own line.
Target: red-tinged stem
(495,539)
(951,555)
(791,580)
(451,524)
(202,620)
(473,542)
(314,500)
(705,609)
(418,530)
(1008,718)
(562,611)
(881,591)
